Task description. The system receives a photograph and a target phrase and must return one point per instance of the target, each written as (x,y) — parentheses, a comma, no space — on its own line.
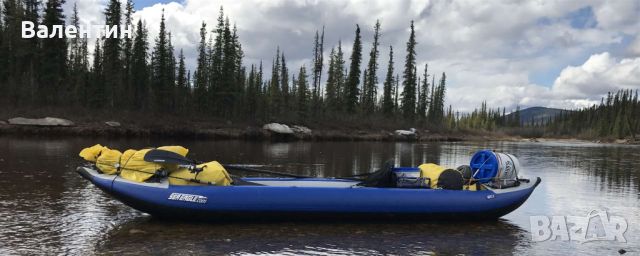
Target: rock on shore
(410,132)
(278,128)
(285,129)
(301,129)
(112,123)
(47,121)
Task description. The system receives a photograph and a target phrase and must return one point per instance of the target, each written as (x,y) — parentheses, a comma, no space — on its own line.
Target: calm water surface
(46,208)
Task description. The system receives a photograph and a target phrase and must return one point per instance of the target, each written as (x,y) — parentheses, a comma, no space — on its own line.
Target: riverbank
(197,130)
(84,123)
(134,124)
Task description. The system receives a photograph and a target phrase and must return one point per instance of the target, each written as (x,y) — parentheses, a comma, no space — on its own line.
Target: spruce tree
(228,85)
(335,80)
(294,92)
(11,18)
(284,84)
(78,64)
(252,94)
(422,100)
(303,94)
(440,98)
(330,88)
(273,97)
(432,100)
(201,74)
(362,89)
(419,91)
(182,85)
(139,68)
(435,113)
(54,57)
(28,53)
(340,78)
(96,90)
(32,9)
(163,70)
(171,80)
(387,95)
(396,91)
(216,60)
(353,79)
(238,83)
(127,55)
(74,43)
(78,56)
(370,90)
(112,56)
(409,82)
(20,54)
(318,64)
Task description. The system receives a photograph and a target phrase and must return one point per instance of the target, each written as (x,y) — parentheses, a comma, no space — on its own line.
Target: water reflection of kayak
(263,198)
(500,237)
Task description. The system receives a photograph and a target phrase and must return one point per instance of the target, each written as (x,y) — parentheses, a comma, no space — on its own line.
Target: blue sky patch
(139,4)
(544,21)
(582,18)
(545,77)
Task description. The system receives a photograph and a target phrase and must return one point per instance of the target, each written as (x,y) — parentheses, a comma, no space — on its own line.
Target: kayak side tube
(343,201)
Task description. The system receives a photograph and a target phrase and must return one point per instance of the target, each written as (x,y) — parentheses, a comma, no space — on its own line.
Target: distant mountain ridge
(538,114)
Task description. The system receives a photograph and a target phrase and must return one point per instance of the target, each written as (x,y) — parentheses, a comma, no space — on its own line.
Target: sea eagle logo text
(188,198)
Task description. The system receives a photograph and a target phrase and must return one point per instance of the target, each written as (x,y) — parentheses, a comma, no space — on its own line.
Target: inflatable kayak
(262,198)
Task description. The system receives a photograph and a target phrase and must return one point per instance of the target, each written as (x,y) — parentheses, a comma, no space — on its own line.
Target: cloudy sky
(564,54)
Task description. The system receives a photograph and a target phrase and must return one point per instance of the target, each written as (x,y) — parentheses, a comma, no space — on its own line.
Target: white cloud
(490,50)
(90,11)
(618,15)
(575,87)
(600,74)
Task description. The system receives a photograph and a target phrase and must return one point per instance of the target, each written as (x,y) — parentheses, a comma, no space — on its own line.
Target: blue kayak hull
(247,202)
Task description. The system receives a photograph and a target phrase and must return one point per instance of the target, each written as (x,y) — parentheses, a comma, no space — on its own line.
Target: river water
(46,208)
